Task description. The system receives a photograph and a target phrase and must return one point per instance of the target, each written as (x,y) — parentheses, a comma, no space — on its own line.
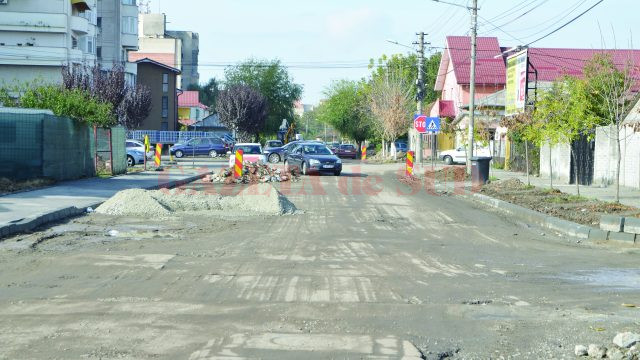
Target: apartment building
(177,49)
(39,37)
(117,23)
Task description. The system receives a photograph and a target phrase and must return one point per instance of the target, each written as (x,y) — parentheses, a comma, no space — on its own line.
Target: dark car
(277,154)
(347,150)
(212,147)
(313,157)
(401,146)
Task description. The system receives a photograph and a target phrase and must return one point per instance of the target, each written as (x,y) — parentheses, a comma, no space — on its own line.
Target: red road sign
(420,123)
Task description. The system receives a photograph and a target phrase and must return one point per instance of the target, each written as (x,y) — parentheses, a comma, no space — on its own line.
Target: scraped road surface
(366,272)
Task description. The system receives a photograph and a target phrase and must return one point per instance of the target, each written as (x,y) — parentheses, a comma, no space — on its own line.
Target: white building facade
(39,37)
(117,23)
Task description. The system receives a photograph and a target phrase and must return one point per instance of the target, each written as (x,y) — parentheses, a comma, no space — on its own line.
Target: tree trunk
(575,170)
(550,168)
(384,149)
(359,149)
(619,158)
(526,159)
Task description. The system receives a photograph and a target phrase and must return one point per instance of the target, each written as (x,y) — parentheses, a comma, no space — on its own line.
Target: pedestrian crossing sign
(433,124)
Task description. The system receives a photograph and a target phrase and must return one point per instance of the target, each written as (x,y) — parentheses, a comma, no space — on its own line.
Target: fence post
(111,151)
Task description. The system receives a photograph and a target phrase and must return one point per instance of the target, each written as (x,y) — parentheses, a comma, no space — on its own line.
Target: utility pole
(420,92)
(472,83)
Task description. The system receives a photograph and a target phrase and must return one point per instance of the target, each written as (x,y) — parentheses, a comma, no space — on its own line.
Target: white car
(139,146)
(252,152)
(459,155)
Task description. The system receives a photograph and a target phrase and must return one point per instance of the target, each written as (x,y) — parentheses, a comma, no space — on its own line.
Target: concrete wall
(605,164)
(560,162)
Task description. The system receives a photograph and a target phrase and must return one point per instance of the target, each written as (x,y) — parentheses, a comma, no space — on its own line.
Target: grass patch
(565,198)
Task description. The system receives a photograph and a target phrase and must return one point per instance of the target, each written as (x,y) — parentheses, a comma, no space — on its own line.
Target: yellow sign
(146,144)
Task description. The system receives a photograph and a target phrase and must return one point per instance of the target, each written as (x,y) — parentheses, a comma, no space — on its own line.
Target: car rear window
(274,143)
(348,147)
(248,149)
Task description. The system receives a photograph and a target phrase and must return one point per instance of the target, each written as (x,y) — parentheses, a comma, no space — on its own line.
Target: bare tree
(135,106)
(242,109)
(131,104)
(391,104)
(613,90)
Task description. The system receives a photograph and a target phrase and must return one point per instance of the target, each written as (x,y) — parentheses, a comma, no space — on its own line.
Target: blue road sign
(433,124)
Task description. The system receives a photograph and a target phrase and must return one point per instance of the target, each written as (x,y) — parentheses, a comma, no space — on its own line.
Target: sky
(326,40)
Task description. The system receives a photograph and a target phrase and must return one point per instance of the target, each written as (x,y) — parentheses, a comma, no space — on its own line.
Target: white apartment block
(39,37)
(117,23)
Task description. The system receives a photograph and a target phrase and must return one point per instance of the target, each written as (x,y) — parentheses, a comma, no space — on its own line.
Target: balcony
(80,25)
(130,41)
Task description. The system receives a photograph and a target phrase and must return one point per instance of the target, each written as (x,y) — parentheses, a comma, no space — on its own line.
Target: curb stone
(550,222)
(622,237)
(33,222)
(612,223)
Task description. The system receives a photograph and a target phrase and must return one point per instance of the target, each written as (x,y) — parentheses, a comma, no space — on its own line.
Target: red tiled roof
(189,99)
(489,70)
(446,108)
(552,63)
(164,58)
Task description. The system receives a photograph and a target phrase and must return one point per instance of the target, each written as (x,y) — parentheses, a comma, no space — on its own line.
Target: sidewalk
(628,196)
(27,210)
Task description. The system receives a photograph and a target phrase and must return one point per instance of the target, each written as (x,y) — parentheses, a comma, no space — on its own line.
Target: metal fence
(35,144)
(174,137)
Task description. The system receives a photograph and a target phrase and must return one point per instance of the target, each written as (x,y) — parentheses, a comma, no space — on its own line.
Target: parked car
(333,146)
(139,145)
(313,157)
(212,147)
(459,155)
(269,144)
(347,150)
(252,152)
(134,156)
(401,146)
(277,154)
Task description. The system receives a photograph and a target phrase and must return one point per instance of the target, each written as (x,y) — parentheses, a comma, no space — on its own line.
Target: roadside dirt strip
(367,268)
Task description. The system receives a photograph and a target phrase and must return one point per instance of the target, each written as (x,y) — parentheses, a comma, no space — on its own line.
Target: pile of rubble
(626,345)
(254,173)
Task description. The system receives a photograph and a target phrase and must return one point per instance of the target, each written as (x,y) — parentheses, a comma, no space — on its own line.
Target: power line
(567,23)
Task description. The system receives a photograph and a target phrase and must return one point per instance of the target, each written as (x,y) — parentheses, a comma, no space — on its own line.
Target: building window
(74,42)
(129,25)
(99,22)
(128,2)
(164,126)
(99,52)
(130,79)
(165,83)
(165,106)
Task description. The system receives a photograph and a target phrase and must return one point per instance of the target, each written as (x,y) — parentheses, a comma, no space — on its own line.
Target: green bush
(75,104)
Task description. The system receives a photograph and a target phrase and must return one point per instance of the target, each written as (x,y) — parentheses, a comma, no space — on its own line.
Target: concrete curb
(33,222)
(543,220)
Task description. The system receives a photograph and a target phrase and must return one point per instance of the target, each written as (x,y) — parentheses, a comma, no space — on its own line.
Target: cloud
(347,22)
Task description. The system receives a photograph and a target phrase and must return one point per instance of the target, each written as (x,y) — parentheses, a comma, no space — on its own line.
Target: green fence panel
(21,145)
(119,149)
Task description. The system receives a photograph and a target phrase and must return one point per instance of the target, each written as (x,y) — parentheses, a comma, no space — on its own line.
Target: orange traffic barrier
(364,153)
(158,156)
(237,169)
(410,157)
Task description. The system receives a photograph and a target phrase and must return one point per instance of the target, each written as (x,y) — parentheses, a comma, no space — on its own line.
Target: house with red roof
(190,109)
(550,64)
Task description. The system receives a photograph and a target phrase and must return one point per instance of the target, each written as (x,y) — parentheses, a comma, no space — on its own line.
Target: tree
(73,103)
(242,109)
(135,106)
(273,81)
(111,87)
(391,104)
(611,96)
(208,92)
(346,110)
(406,66)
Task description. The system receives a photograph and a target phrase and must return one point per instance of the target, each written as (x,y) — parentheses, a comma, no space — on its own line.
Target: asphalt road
(366,271)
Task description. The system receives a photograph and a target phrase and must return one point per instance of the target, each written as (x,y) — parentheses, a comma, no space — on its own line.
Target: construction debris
(254,173)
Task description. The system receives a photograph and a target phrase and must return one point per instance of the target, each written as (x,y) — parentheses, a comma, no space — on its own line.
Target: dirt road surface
(363,272)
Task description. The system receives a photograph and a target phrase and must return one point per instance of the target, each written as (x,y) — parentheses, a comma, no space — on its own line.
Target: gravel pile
(625,346)
(254,173)
(258,199)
